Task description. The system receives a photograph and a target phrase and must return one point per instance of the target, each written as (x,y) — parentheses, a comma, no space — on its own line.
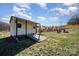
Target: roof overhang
(21,19)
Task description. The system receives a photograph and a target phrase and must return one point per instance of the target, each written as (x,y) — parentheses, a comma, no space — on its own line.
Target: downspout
(36,29)
(16,27)
(26,28)
(39,31)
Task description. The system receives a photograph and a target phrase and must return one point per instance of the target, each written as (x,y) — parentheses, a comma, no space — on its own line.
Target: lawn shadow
(10,48)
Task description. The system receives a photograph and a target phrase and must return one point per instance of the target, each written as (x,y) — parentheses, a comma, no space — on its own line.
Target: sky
(47,14)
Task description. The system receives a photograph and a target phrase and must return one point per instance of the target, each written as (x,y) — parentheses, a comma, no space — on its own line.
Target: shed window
(19,25)
(34,27)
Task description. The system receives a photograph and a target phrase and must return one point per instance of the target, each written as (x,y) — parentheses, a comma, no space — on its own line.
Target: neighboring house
(19,26)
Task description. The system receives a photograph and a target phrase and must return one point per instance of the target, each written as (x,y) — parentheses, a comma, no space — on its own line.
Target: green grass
(63,44)
(56,44)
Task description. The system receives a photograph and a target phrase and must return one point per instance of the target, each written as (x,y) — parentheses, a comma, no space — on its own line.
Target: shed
(19,27)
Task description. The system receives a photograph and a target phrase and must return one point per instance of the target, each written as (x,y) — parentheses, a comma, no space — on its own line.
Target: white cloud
(42,5)
(73,9)
(54,19)
(22,12)
(64,11)
(24,15)
(41,19)
(30,13)
(16,9)
(68,4)
(24,5)
(49,19)
(5,19)
(60,11)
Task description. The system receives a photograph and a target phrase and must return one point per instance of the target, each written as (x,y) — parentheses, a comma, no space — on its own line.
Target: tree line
(4,26)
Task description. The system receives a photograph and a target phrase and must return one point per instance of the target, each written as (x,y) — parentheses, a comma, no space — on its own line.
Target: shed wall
(26,27)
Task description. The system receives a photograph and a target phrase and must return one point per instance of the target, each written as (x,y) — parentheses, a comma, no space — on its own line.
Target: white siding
(24,27)
(30,29)
(13,28)
(22,30)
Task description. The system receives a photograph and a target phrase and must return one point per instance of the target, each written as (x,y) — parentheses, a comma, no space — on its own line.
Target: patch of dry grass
(56,44)
(4,34)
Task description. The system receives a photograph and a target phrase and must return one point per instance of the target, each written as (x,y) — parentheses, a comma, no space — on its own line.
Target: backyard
(56,44)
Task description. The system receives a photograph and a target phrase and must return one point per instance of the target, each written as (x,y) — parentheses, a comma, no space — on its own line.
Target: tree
(74,20)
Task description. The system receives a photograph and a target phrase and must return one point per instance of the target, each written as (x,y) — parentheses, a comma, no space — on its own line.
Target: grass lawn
(56,44)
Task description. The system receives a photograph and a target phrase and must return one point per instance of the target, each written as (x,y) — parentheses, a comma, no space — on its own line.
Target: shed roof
(21,19)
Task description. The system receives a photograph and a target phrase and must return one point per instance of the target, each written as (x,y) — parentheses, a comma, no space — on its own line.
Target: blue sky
(47,14)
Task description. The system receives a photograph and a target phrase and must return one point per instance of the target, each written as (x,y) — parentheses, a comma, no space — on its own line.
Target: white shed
(19,26)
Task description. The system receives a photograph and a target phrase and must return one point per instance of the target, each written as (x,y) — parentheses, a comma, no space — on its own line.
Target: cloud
(24,5)
(64,11)
(68,4)
(49,19)
(42,5)
(22,12)
(17,9)
(41,19)
(5,19)
(72,9)
(30,13)
(24,15)
(53,19)
(60,11)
